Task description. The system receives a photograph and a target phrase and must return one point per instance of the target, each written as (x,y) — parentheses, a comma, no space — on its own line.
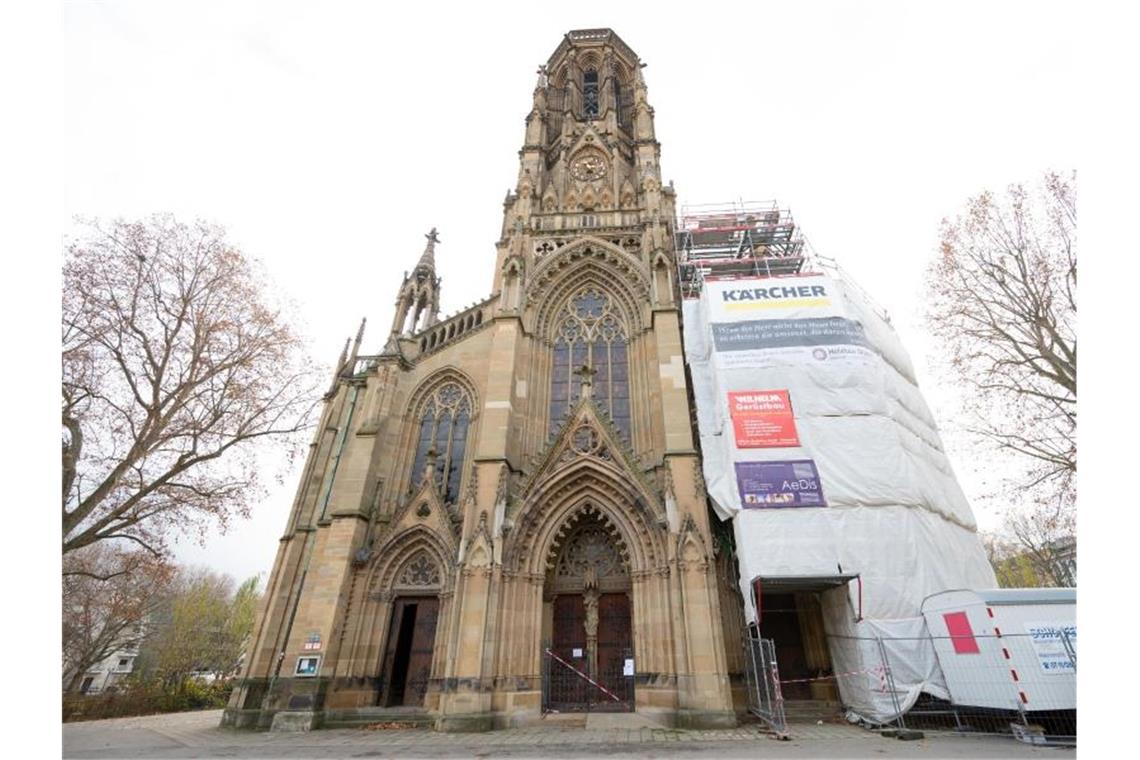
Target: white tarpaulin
(867,489)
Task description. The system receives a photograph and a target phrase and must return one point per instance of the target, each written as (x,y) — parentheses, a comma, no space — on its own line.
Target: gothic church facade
(504,506)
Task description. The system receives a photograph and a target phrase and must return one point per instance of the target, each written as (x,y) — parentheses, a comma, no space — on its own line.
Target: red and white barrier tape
(605,691)
(826,678)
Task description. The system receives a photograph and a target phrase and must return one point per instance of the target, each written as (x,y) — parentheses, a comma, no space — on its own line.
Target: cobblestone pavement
(197,734)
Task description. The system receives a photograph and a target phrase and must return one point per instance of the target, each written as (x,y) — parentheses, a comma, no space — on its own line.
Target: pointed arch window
(590,94)
(590,332)
(443,424)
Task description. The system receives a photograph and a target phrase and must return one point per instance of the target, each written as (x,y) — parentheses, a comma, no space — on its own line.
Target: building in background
(110,674)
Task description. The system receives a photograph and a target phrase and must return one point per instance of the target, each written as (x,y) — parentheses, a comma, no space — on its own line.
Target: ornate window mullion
(587,333)
(440,420)
(609,374)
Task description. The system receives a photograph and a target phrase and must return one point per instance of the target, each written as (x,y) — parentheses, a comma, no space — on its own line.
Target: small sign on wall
(577,652)
(627,667)
(307,667)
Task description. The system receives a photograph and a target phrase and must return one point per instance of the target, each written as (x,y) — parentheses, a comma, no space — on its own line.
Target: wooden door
(406,669)
(568,641)
(615,646)
(422,649)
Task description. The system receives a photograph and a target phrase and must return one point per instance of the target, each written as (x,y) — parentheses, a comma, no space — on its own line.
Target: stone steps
(381,717)
(811,710)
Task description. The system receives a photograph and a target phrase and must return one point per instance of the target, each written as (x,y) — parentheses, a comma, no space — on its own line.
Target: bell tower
(590,163)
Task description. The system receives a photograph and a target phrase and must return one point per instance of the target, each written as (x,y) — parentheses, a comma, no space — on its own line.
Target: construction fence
(1011,685)
(762,682)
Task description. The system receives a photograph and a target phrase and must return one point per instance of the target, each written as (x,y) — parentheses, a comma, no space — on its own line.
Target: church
(502,512)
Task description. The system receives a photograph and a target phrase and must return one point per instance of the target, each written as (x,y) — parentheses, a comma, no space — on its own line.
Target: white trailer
(1006,649)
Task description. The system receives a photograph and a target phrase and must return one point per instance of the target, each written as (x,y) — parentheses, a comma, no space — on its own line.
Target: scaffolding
(742,239)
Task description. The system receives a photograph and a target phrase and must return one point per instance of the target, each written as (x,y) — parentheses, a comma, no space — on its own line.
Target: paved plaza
(197,734)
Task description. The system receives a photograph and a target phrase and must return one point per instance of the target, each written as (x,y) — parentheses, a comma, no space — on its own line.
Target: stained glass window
(590,333)
(443,429)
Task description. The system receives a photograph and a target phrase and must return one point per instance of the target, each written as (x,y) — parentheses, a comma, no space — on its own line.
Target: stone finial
(359,339)
(427,260)
(338,368)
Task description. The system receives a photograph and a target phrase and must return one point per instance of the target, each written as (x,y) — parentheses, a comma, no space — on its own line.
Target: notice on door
(762,419)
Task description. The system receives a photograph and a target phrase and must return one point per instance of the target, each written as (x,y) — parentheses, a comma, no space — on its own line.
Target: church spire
(427,259)
(417,304)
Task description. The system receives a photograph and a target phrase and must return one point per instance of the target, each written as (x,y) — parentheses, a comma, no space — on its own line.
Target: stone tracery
(420,570)
(591,333)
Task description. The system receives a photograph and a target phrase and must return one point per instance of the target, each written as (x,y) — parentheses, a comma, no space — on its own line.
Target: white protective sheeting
(901,554)
(860,650)
(895,513)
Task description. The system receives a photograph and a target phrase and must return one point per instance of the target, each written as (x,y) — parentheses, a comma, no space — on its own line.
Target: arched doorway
(588,660)
(406,667)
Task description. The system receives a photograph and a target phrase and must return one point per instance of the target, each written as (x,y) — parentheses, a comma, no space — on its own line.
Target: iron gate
(567,686)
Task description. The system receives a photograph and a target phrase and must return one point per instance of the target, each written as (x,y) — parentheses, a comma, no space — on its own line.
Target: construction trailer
(819,448)
(1006,649)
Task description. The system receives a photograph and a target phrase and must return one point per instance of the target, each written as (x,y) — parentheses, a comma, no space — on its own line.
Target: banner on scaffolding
(762,419)
(763,343)
(765,485)
(807,297)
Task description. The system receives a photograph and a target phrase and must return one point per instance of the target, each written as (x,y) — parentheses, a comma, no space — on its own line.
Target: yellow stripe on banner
(799,303)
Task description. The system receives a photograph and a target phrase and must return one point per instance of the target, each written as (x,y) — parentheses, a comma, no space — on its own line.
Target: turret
(417,304)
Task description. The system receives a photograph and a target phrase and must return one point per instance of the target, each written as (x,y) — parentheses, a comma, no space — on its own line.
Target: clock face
(588,167)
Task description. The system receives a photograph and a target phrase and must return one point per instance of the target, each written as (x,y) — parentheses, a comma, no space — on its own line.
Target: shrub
(147,699)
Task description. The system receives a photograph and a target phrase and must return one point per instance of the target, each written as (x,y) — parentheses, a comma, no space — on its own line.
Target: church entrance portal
(590,662)
(407,658)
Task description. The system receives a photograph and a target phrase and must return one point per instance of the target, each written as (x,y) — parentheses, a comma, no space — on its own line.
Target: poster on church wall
(762,419)
(765,485)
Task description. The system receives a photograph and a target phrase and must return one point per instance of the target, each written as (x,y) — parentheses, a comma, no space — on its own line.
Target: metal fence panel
(1021,684)
(762,681)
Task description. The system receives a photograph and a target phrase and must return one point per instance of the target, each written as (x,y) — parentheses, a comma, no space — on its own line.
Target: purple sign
(779,484)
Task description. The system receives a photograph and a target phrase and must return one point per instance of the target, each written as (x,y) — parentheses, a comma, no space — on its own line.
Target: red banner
(762,419)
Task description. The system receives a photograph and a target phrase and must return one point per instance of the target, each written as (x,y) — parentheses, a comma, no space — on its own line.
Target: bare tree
(1043,533)
(108,593)
(1033,549)
(175,363)
(1002,301)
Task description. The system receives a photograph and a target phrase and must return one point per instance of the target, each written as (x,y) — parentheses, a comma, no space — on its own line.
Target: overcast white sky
(328,137)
